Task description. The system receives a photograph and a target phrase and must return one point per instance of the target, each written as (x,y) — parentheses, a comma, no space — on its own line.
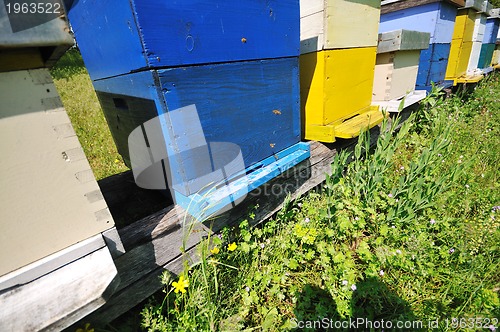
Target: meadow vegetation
(408,230)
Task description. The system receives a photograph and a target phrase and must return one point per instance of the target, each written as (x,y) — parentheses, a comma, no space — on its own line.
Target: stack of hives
(478,36)
(338,50)
(461,45)
(213,72)
(434,17)
(487,58)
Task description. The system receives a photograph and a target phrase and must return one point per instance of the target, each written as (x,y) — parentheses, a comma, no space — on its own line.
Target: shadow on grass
(70,64)
(372,304)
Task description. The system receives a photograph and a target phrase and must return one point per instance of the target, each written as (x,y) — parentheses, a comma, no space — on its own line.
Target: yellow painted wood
(461,44)
(335,85)
(495,60)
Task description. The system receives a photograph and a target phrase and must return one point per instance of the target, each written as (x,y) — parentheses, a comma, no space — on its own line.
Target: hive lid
(389,6)
(402,40)
(494,13)
(474,4)
(487,7)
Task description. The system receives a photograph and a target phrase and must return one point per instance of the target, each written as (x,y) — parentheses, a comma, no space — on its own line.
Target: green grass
(406,232)
(75,88)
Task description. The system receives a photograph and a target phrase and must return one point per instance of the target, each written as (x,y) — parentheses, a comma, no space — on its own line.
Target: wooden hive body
(396,69)
(159,34)
(236,62)
(462,42)
(338,51)
(434,17)
(329,24)
(488,46)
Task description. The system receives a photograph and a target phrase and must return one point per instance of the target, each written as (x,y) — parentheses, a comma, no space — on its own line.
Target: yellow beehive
(336,85)
(337,63)
(461,44)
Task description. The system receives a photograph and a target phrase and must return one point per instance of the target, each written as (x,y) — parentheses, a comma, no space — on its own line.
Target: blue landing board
(204,205)
(491,30)
(437,18)
(120,37)
(432,65)
(253,104)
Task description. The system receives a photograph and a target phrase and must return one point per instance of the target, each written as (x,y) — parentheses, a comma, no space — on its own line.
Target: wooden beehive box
(338,51)
(396,69)
(477,38)
(53,216)
(236,62)
(333,24)
(161,34)
(490,36)
(434,17)
(461,45)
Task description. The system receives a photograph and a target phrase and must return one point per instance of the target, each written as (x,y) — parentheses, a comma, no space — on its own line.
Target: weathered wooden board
(402,40)
(436,18)
(389,6)
(461,44)
(395,74)
(335,85)
(175,33)
(334,24)
(42,165)
(56,300)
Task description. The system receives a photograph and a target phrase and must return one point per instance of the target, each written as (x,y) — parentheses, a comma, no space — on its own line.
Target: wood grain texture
(58,299)
(433,64)
(177,33)
(436,18)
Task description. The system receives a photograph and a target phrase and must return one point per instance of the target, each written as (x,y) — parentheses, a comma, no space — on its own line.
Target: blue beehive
(236,63)
(435,17)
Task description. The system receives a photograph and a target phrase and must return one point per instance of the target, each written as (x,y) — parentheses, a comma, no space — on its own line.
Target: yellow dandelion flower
(181,285)
(215,250)
(232,246)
